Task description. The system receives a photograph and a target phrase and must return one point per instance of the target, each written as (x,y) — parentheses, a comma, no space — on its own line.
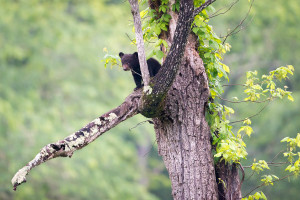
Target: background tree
(81,78)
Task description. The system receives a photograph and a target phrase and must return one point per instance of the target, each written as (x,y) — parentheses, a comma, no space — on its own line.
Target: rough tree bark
(230,176)
(177,105)
(183,136)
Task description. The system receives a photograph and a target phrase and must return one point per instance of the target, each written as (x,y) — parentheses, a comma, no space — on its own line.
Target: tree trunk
(183,135)
(229,185)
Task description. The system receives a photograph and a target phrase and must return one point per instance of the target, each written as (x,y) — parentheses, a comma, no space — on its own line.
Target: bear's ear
(136,54)
(121,54)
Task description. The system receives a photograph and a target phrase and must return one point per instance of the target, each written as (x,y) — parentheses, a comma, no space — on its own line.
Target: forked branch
(81,138)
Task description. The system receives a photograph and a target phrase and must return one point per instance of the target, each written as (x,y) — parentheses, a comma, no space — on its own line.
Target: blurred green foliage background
(52,83)
(270,38)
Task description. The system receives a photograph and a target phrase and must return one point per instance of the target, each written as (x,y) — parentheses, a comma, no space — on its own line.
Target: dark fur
(131,62)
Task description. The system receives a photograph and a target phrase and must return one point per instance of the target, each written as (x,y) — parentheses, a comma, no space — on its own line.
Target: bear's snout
(126,67)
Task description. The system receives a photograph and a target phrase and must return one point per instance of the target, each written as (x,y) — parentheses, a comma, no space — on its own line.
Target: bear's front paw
(135,89)
(138,87)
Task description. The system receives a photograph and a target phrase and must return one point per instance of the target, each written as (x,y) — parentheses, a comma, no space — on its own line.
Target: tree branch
(150,105)
(81,138)
(202,7)
(251,115)
(234,31)
(221,13)
(263,184)
(140,41)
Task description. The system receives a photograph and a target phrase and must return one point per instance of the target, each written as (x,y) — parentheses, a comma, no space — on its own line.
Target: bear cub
(131,62)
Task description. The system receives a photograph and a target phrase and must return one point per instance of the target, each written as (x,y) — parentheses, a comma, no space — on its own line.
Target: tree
(176,100)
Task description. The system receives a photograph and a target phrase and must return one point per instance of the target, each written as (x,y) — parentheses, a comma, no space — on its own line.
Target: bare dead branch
(81,138)
(227,85)
(263,184)
(273,164)
(246,101)
(141,123)
(140,41)
(275,157)
(131,40)
(251,115)
(243,176)
(250,175)
(234,31)
(241,28)
(221,13)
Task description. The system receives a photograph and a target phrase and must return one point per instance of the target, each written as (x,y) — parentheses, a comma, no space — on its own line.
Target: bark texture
(183,135)
(229,175)
(151,104)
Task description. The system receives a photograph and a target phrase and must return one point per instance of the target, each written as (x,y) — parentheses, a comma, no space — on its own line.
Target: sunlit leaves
(110,60)
(231,150)
(157,52)
(198,3)
(226,68)
(259,87)
(247,129)
(143,13)
(293,144)
(269,179)
(247,121)
(211,51)
(290,97)
(153,24)
(176,6)
(228,110)
(259,166)
(227,47)
(256,196)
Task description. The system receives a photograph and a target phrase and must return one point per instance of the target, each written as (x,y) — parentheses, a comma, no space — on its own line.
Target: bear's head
(129,61)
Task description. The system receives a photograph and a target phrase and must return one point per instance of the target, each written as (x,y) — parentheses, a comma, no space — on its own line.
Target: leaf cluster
(256,196)
(292,154)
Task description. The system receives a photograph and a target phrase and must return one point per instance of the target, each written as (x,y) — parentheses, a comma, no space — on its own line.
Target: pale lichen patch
(75,143)
(85,134)
(94,130)
(73,137)
(102,129)
(97,121)
(111,117)
(147,89)
(20,176)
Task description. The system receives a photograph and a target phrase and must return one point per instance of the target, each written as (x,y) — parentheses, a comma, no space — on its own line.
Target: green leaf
(290,97)
(226,68)
(157,30)
(213,44)
(159,54)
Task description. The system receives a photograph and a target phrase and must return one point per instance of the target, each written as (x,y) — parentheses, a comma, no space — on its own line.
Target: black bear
(131,62)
